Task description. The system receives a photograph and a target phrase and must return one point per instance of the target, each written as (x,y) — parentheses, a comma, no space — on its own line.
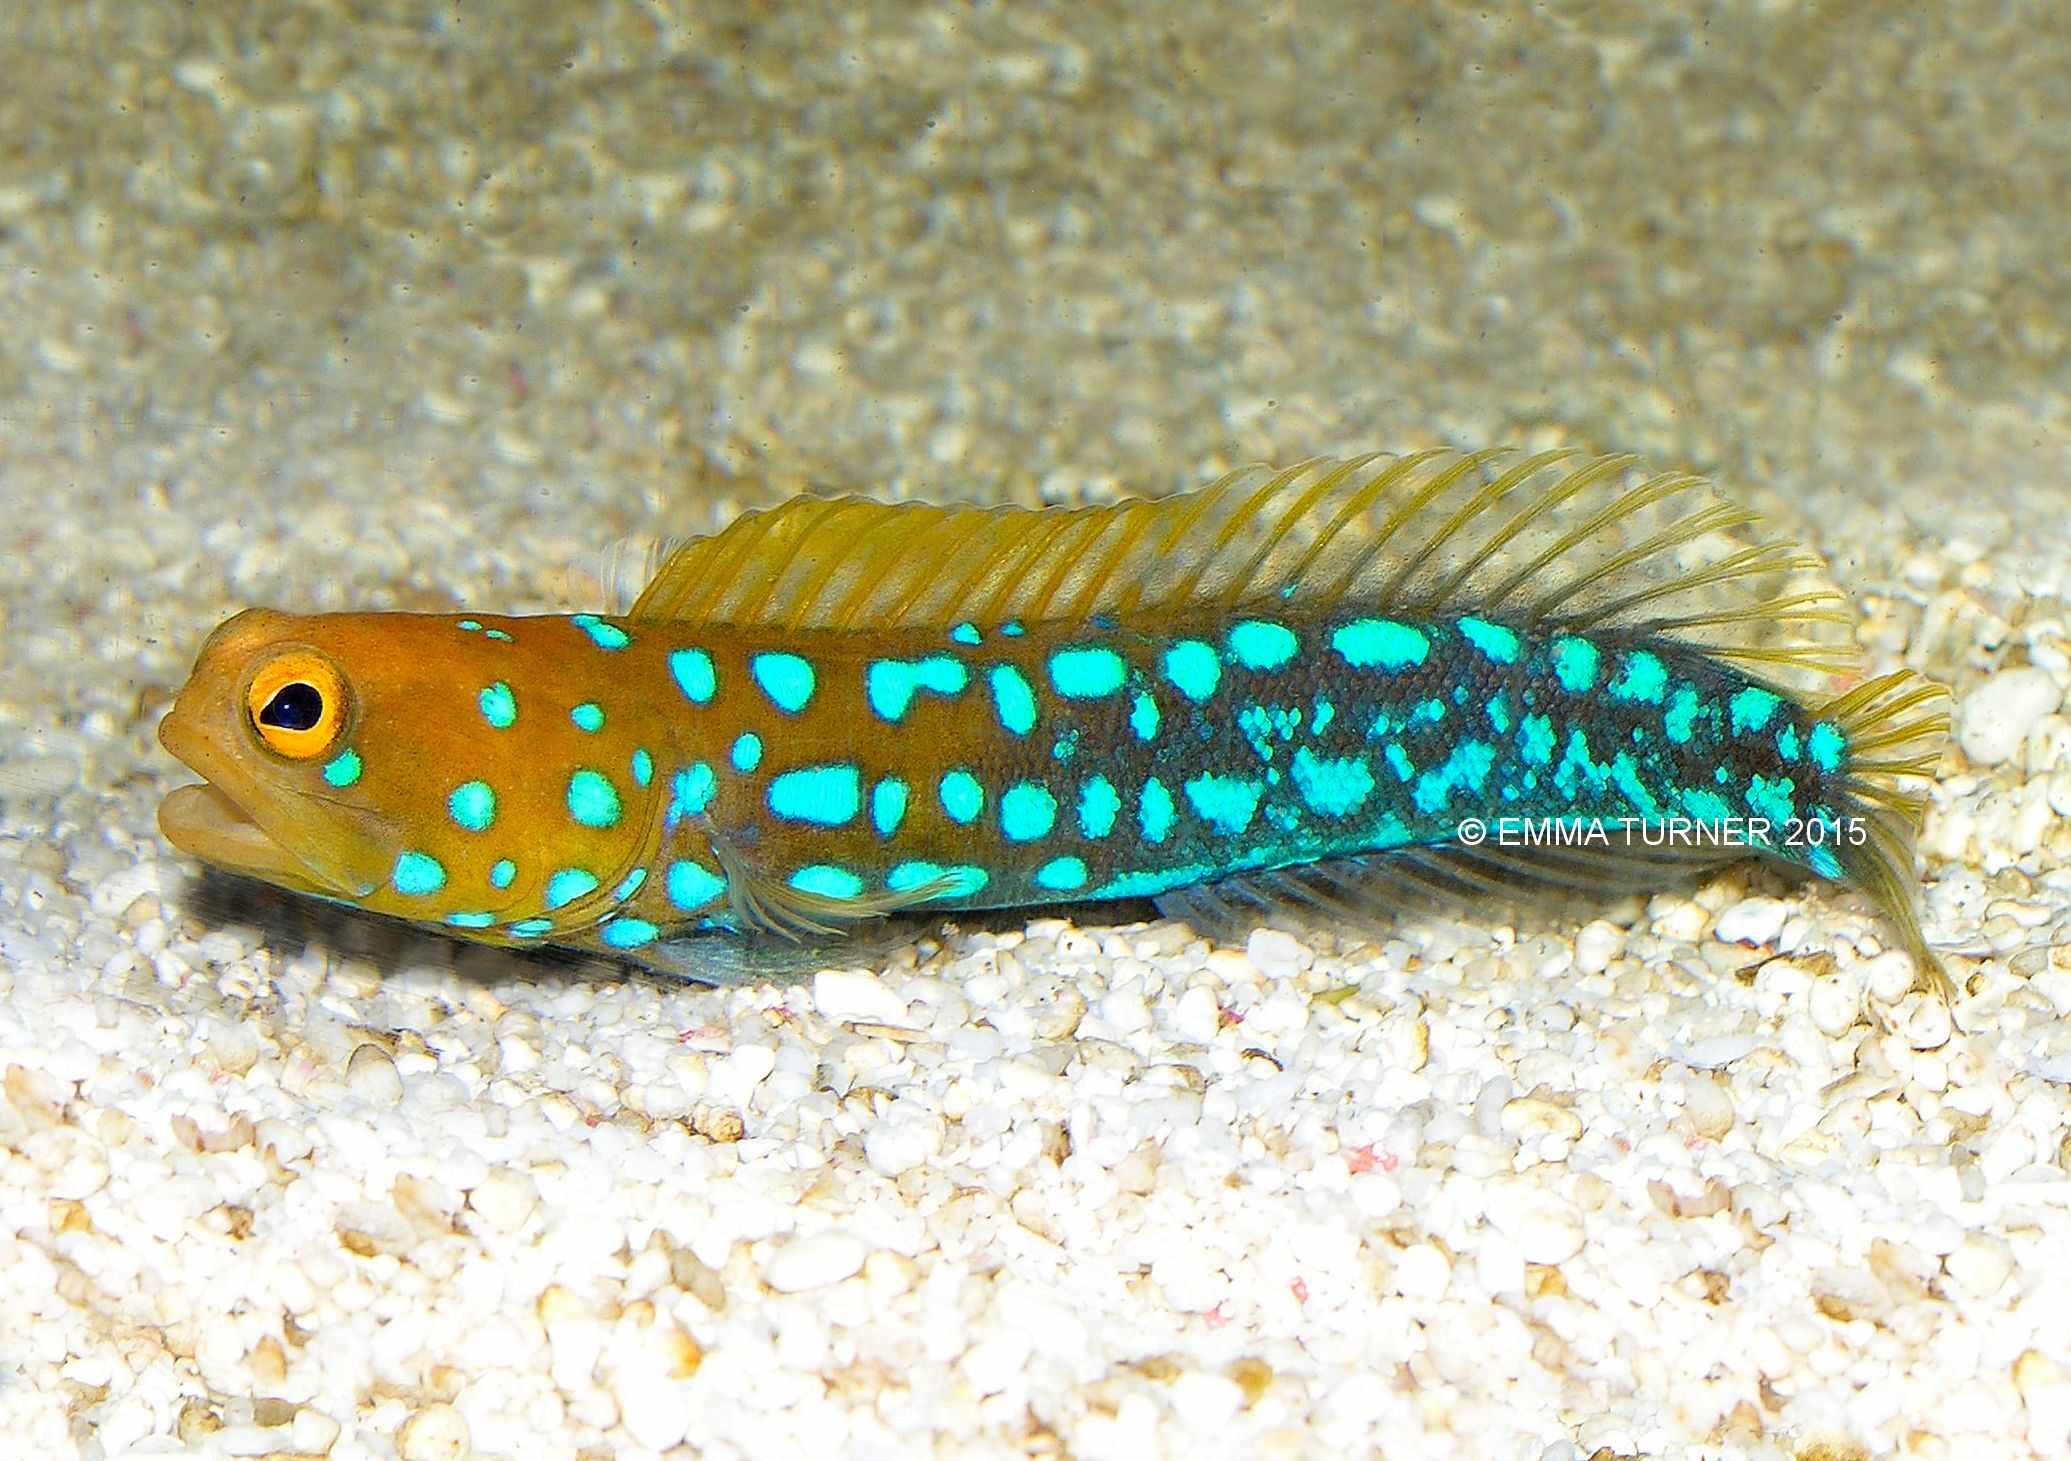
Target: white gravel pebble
(1755,921)
(2000,710)
(813,1262)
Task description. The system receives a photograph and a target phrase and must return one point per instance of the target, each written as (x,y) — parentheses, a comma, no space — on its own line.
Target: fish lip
(203,821)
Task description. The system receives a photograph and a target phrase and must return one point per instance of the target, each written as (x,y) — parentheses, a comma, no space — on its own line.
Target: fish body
(1293,688)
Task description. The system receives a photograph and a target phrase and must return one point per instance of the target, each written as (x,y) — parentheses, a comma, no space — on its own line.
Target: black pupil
(296,707)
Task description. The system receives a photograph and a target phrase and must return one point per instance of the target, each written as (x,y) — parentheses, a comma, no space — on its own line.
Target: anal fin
(1373,892)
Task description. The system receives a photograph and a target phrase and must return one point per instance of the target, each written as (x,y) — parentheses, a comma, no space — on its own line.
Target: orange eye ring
(296,703)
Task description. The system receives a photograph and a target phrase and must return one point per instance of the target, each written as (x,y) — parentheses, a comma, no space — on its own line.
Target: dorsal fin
(1549,541)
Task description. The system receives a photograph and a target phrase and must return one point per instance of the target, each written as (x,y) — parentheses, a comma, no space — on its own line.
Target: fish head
(438,769)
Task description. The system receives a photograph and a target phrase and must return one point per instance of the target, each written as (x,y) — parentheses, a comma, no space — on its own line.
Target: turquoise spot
(1680,719)
(1399,762)
(910,875)
(693,673)
(1825,744)
(1750,709)
(891,684)
(1535,739)
(418,875)
(747,752)
(1154,880)
(532,927)
(962,797)
(473,626)
(569,884)
(1143,716)
(1066,746)
(1027,811)
(471,920)
(1014,698)
(1193,667)
(826,881)
(629,886)
(1497,644)
(1325,714)
(628,933)
(1468,766)
(472,805)
(691,886)
(592,800)
(888,805)
(499,706)
(1706,806)
(1576,767)
(828,795)
(643,768)
(692,791)
(1097,807)
(343,769)
(603,635)
(1644,679)
(1011,627)
(1259,645)
(1332,786)
(1787,743)
(503,874)
(1154,812)
(1499,714)
(1061,875)
(1380,643)
(1087,672)
(965,634)
(1226,803)
(1771,798)
(1822,861)
(1574,663)
(496,634)
(785,678)
(1625,776)
(588,716)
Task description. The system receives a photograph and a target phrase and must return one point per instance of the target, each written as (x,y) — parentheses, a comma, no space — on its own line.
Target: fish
(1324,690)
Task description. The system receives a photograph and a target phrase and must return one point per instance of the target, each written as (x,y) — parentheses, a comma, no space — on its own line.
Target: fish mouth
(203,822)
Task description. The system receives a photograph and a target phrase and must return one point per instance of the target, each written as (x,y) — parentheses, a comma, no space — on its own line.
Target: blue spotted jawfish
(1290,690)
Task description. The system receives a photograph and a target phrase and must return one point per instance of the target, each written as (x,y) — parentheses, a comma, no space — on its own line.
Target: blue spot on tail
(1192,666)
(1226,803)
(747,752)
(1380,643)
(1097,807)
(1258,645)
(1087,672)
(1027,811)
(1062,875)
(1014,698)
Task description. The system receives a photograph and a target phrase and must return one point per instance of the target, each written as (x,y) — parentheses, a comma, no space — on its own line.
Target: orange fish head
(416,765)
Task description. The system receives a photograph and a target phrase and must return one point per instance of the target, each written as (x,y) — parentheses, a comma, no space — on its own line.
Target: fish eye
(297,704)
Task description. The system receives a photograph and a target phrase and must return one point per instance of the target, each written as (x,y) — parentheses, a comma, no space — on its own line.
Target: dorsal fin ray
(1550,542)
